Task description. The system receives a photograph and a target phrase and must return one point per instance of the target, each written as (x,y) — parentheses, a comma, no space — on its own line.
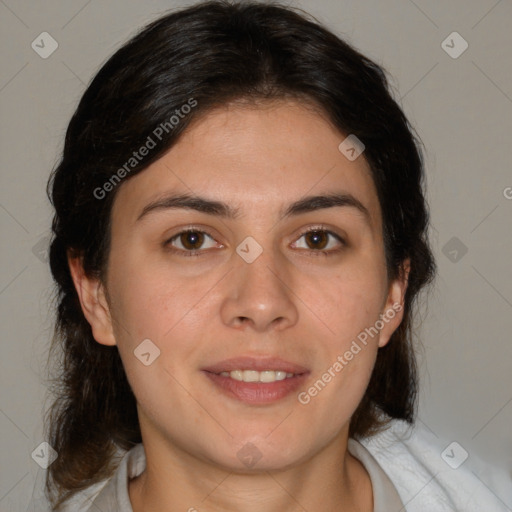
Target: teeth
(255,376)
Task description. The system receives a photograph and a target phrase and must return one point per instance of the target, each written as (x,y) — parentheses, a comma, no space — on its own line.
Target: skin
(291,302)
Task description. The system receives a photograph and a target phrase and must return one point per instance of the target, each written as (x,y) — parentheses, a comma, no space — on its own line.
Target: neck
(176,480)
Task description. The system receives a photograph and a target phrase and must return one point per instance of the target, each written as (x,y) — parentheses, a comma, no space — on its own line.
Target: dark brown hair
(214,53)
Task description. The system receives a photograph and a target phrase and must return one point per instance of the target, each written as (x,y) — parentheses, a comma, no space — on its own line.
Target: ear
(393,311)
(93,301)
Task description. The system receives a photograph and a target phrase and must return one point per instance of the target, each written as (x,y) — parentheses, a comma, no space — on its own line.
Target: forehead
(257,159)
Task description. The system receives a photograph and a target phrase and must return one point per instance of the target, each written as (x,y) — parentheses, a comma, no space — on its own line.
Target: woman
(240,235)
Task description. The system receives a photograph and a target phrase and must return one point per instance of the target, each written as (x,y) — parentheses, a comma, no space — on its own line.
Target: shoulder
(81,501)
(110,494)
(431,473)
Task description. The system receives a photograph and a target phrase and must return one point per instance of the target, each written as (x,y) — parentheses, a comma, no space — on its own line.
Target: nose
(260,295)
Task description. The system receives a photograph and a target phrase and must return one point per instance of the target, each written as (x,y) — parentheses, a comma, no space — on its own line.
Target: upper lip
(258,364)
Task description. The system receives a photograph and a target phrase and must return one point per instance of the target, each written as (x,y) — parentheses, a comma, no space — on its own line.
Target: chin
(256,453)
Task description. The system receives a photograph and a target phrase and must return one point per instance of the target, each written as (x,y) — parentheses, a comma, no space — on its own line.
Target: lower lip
(257,392)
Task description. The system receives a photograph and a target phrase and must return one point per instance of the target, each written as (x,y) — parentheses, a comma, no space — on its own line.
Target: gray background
(462,110)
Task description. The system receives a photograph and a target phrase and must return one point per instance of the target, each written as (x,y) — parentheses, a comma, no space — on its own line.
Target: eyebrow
(221,209)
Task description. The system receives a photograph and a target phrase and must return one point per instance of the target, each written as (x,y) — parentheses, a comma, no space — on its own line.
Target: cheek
(153,303)
(350,302)
(152,299)
(153,333)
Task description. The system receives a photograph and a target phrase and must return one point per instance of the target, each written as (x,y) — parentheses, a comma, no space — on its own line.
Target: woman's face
(257,287)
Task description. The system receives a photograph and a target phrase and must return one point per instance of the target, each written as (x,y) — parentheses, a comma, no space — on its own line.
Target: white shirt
(405,465)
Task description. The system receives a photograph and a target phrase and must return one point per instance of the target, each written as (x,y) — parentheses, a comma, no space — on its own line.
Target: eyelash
(200,252)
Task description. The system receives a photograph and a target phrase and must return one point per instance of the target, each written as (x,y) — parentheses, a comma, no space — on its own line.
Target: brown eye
(191,239)
(321,241)
(190,242)
(317,239)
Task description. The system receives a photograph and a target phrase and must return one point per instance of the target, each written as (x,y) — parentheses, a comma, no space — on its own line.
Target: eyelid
(326,230)
(205,231)
(188,229)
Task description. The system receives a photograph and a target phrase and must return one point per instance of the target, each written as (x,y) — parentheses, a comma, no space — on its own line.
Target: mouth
(256,381)
(256,376)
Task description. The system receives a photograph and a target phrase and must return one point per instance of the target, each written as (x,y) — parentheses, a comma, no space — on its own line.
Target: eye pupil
(192,239)
(317,236)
